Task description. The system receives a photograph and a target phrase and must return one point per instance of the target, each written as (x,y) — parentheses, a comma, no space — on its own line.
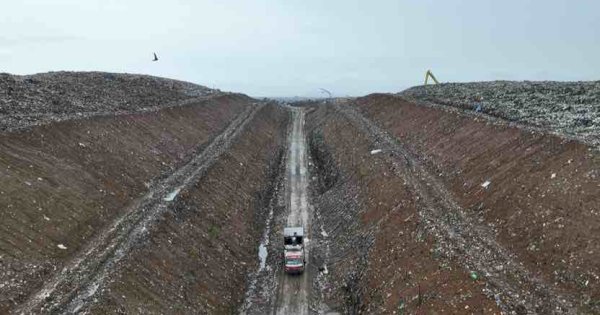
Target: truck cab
(293,250)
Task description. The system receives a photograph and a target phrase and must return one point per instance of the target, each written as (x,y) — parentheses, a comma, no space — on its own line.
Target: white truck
(293,250)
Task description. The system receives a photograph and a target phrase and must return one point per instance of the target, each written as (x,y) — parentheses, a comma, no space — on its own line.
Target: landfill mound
(33,99)
(65,183)
(533,195)
(377,249)
(567,108)
(197,258)
(99,168)
(136,194)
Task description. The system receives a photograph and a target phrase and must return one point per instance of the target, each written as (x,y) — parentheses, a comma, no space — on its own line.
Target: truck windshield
(293,240)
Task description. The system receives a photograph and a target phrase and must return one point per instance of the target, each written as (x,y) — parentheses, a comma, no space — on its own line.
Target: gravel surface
(35,99)
(567,108)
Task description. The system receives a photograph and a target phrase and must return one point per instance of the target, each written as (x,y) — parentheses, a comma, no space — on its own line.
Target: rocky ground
(566,108)
(35,99)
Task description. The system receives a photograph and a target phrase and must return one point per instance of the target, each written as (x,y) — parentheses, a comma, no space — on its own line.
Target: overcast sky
(295,47)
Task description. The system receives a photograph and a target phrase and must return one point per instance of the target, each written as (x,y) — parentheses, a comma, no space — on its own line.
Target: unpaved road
(293,291)
(74,288)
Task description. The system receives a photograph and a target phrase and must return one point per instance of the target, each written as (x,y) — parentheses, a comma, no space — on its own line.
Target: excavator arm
(428,75)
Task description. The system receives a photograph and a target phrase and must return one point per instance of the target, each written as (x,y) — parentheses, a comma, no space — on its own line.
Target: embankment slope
(103,141)
(539,193)
(379,256)
(200,254)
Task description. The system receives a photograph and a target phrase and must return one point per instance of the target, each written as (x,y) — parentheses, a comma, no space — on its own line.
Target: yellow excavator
(428,75)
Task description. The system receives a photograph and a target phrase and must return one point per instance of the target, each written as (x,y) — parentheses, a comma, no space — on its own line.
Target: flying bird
(155,58)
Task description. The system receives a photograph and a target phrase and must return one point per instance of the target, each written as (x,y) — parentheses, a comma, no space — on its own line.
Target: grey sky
(293,47)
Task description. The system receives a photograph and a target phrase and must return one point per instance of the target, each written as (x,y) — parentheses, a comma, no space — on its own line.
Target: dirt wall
(64,182)
(379,259)
(543,195)
(200,254)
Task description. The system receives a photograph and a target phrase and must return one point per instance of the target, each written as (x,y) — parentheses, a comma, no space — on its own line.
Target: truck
(293,250)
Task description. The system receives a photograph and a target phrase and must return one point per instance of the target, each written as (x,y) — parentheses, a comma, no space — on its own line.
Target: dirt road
(293,291)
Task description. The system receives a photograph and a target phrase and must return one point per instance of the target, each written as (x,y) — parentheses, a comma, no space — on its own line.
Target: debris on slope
(33,99)
(567,108)
(84,189)
(199,253)
(536,193)
(379,257)
(113,244)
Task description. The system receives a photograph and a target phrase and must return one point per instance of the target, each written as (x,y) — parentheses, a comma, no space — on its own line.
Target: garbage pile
(567,108)
(32,99)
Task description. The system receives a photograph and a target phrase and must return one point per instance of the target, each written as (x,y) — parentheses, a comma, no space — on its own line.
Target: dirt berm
(63,183)
(457,213)
(372,241)
(68,181)
(542,195)
(199,255)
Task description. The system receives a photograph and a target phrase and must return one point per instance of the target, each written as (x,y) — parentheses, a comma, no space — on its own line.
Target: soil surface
(535,195)
(377,254)
(65,182)
(198,253)
(565,108)
(89,272)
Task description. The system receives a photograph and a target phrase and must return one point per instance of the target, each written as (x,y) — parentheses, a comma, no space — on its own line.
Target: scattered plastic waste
(172,194)
(473,275)
(262,255)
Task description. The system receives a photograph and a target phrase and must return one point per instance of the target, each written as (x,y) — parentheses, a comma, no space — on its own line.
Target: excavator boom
(428,75)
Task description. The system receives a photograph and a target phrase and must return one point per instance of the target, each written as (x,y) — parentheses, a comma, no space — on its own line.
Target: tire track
(512,285)
(73,288)
(293,291)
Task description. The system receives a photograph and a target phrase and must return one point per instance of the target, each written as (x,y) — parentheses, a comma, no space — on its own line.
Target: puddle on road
(262,255)
(171,196)
(256,287)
